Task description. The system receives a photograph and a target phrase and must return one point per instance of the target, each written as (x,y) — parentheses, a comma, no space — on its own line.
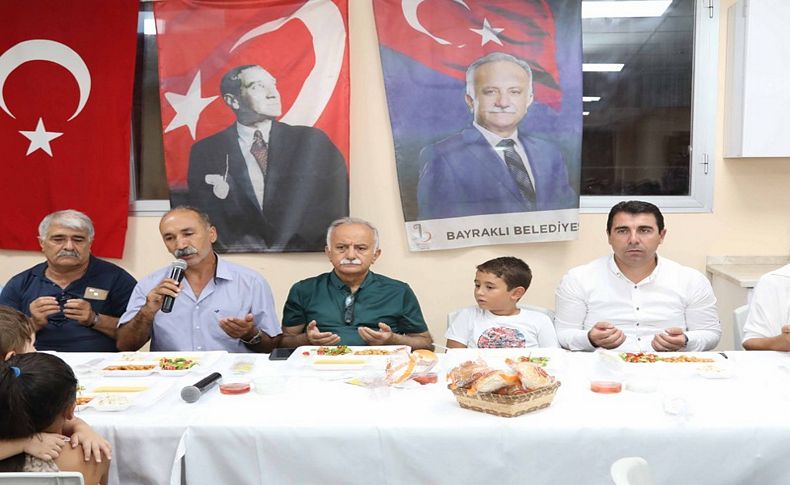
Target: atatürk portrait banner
(485,102)
(254,98)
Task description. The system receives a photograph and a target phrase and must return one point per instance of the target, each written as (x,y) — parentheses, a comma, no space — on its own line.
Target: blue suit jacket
(462,175)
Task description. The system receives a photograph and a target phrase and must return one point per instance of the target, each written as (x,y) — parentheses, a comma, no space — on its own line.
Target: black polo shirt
(62,334)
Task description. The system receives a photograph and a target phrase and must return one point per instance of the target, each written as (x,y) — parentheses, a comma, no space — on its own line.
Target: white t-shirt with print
(478,328)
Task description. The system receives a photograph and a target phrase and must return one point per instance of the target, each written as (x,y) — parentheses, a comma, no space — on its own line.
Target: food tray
(307,356)
(507,406)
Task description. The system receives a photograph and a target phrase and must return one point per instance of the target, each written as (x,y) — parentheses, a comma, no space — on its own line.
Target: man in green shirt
(351,305)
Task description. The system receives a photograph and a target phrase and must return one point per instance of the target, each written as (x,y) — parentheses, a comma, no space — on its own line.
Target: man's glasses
(348,309)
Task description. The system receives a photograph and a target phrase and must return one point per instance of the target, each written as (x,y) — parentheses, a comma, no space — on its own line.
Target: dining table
(724,421)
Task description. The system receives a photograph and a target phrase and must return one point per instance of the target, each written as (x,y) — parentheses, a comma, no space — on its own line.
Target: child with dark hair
(497,321)
(17,337)
(38,395)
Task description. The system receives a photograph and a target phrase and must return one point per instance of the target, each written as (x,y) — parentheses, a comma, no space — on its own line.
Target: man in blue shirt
(73,299)
(218,306)
(352,305)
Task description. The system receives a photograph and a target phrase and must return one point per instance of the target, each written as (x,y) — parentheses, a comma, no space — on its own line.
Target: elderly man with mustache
(352,305)
(218,306)
(493,166)
(73,298)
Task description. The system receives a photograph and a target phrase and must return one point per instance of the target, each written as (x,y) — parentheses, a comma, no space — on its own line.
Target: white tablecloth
(319,430)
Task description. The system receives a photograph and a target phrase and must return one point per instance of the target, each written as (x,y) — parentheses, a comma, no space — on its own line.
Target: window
(639,102)
(649,124)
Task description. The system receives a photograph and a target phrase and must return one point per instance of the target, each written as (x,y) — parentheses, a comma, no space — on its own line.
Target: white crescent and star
(325,24)
(52,51)
(487,32)
(188,106)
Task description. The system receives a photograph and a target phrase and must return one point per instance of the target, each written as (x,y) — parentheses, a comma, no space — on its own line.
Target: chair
(632,470)
(42,478)
(738,322)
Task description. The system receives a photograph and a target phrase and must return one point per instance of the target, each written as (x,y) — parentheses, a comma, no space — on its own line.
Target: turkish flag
(66,79)
(303,44)
(448,35)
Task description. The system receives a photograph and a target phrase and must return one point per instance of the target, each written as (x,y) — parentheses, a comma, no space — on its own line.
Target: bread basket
(507,405)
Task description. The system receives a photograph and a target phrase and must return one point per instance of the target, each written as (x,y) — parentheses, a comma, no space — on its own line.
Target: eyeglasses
(348,309)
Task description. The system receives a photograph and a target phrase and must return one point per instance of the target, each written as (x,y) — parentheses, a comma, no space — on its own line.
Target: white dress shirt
(672,296)
(493,139)
(246,136)
(769,308)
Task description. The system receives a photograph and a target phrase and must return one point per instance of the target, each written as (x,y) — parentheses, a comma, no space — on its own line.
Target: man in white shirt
(634,300)
(768,324)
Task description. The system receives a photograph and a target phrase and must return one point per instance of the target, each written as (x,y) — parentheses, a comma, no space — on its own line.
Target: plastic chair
(42,478)
(738,322)
(632,470)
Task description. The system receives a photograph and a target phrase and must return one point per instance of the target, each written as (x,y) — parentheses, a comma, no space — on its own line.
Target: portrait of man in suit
(491,166)
(267,186)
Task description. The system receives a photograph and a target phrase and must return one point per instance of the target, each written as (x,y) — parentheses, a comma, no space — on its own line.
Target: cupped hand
(606,335)
(317,337)
(382,336)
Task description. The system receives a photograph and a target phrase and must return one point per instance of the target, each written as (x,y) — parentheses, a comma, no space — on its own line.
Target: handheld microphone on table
(193,393)
(177,273)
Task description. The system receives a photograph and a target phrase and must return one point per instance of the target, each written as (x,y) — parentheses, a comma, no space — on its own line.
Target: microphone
(193,393)
(177,273)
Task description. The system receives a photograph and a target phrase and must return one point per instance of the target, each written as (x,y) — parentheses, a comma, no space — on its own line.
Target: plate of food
(177,366)
(670,357)
(117,394)
(344,357)
(129,368)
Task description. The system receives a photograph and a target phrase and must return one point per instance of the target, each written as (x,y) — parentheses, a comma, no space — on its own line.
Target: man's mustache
(506,109)
(180,253)
(350,261)
(69,252)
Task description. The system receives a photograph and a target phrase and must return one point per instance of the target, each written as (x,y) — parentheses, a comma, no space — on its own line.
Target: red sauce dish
(234,388)
(606,387)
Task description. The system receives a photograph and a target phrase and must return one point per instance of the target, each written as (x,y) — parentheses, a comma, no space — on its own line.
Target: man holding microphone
(218,306)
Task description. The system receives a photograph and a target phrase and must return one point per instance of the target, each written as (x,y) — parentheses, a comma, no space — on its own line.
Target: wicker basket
(507,406)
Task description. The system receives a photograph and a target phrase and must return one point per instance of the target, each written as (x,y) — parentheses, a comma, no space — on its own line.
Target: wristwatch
(256,339)
(93,321)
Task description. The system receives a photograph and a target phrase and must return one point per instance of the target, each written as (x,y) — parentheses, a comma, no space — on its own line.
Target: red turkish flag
(448,35)
(66,78)
(303,44)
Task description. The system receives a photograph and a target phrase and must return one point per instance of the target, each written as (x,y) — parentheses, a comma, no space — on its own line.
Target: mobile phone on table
(281,353)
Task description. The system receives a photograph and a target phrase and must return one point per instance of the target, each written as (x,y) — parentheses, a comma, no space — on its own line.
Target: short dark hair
(202,215)
(513,271)
(230,82)
(15,330)
(34,389)
(635,207)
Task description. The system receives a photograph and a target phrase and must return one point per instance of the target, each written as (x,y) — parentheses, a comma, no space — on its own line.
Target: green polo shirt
(378,299)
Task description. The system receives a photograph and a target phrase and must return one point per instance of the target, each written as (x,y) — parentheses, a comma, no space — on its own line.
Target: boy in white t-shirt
(496,321)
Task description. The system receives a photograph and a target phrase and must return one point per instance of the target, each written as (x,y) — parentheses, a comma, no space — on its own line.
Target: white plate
(129,372)
(307,356)
(713,356)
(130,391)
